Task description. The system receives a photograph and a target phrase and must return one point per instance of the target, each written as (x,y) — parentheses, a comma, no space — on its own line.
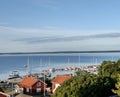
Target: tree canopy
(117,86)
(84,84)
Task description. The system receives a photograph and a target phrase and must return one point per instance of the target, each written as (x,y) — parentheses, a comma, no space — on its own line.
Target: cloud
(26,32)
(52,34)
(53,39)
(63,38)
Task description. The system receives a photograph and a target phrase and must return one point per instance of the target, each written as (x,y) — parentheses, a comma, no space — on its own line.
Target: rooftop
(61,78)
(28,82)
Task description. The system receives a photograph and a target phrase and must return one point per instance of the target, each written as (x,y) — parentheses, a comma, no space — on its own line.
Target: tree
(48,82)
(109,69)
(117,85)
(84,84)
(89,85)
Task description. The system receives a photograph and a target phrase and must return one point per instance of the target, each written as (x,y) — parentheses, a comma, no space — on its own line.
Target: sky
(59,25)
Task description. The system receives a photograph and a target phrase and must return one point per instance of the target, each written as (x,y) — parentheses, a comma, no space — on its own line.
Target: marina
(42,67)
(51,64)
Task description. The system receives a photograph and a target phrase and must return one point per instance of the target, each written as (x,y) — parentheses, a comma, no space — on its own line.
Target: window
(27,89)
(38,90)
(38,84)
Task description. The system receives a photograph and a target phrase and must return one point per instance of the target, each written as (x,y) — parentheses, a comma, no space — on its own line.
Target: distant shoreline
(62,52)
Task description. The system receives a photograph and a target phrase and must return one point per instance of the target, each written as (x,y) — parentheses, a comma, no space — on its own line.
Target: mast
(96,62)
(112,59)
(49,61)
(40,62)
(28,66)
(68,61)
(43,75)
(44,83)
(93,60)
(79,61)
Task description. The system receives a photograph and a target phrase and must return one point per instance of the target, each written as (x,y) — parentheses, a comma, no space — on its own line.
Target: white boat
(14,74)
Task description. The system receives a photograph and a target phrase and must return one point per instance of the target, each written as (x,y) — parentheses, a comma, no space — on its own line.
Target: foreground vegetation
(84,84)
(5,87)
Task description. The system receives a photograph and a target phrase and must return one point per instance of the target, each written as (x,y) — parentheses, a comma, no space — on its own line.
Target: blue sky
(59,25)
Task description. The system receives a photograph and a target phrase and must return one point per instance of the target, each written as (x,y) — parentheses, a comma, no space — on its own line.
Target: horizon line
(60,52)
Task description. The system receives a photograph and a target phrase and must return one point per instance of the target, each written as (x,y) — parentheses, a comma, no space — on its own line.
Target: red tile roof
(28,82)
(61,78)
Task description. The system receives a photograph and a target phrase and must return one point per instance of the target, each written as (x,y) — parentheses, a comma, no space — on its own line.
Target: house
(4,94)
(59,80)
(30,85)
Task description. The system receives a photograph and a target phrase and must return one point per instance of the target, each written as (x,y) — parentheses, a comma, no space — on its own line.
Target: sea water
(39,62)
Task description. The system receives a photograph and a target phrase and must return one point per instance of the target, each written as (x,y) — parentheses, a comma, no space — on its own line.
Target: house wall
(2,95)
(55,86)
(37,85)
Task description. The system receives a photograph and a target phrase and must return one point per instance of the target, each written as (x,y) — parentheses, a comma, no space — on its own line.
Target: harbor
(15,77)
(51,64)
(40,68)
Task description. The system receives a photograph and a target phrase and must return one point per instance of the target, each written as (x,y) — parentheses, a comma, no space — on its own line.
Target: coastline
(37,63)
(56,71)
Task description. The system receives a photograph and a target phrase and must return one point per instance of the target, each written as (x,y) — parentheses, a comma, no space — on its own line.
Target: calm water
(9,63)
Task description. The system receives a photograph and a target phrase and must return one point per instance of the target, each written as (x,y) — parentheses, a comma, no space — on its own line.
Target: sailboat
(27,67)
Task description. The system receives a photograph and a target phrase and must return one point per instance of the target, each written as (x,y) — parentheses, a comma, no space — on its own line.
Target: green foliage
(117,86)
(81,73)
(84,84)
(109,69)
(5,86)
(48,82)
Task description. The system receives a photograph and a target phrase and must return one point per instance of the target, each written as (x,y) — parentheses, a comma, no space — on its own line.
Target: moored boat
(14,74)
